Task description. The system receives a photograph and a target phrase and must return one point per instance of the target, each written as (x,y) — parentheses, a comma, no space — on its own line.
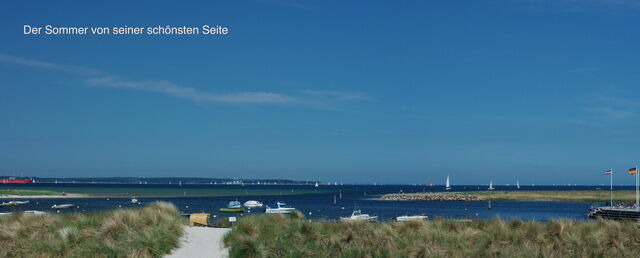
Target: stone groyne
(430,197)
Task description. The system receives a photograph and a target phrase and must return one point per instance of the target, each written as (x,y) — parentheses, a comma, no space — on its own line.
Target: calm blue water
(321,205)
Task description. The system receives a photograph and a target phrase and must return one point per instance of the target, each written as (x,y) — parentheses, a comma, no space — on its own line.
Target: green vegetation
(574,196)
(26,192)
(280,236)
(151,231)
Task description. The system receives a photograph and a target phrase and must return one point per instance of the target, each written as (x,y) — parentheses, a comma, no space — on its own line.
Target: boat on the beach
(281,208)
(233,206)
(13,203)
(357,215)
(252,204)
(447,186)
(415,217)
(62,206)
(34,213)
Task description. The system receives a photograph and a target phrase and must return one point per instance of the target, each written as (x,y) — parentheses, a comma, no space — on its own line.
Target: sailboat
(316,184)
(447,186)
(491,186)
(517,184)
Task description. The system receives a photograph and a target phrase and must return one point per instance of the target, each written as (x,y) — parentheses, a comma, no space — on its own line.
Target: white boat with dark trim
(281,208)
(13,203)
(253,204)
(62,206)
(415,217)
(357,215)
(34,213)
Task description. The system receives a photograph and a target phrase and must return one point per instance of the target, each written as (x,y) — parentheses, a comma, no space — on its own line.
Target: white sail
(447,186)
(491,185)
(518,184)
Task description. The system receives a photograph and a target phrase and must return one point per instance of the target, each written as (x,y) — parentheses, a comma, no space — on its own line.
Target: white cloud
(98,78)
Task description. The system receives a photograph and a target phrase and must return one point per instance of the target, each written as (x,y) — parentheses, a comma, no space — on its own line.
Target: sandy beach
(201,242)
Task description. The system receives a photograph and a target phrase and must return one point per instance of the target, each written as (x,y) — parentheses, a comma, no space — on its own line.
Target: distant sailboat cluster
(447,185)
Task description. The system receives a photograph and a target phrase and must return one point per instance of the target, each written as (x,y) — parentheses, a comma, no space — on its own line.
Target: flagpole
(611,188)
(637,196)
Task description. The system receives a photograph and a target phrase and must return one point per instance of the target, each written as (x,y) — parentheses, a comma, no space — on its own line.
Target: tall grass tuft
(151,231)
(280,236)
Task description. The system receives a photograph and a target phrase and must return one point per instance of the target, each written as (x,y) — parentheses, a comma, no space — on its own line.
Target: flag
(608,172)
(633,170)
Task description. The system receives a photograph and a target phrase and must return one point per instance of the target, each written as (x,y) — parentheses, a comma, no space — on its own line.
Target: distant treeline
(164,180)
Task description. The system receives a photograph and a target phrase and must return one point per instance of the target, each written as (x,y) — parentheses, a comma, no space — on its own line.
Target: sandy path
(201,242)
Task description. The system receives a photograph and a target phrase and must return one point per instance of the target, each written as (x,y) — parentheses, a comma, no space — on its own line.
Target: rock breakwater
(430,197)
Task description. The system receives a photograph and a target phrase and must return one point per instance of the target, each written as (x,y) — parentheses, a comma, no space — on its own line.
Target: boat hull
(409,218)
(231,210)
(280,211)
(16,181)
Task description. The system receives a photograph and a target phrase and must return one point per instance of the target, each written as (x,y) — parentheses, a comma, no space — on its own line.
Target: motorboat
(62,206)
(252,204)
(13,203)
(34,213)
(134,201)
(281,208)
(415,217)
(233,206)
(357,215)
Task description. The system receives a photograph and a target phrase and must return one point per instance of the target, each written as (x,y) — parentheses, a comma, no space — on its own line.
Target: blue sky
(349,91)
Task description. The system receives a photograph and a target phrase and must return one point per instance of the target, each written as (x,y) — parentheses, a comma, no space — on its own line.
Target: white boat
(34,213)
(252,204)
(358,216)
(316,184)
(517,184)
(491,186)
(447,186)
(13,203)
(408,218)
(134,201)
(5,213)
(62,206)
(281,208)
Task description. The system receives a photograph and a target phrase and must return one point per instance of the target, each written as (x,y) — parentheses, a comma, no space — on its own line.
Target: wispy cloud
(611,108)
(77,70)
(169,88)
(96,78)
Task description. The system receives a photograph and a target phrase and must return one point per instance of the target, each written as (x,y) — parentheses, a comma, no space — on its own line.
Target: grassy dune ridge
(151,231)
(571,195)
(23,192)
(280,236)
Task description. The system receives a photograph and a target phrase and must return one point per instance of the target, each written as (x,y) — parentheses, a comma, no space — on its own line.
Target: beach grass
(23,192)
(285,236)
(151,231)
(572,195)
